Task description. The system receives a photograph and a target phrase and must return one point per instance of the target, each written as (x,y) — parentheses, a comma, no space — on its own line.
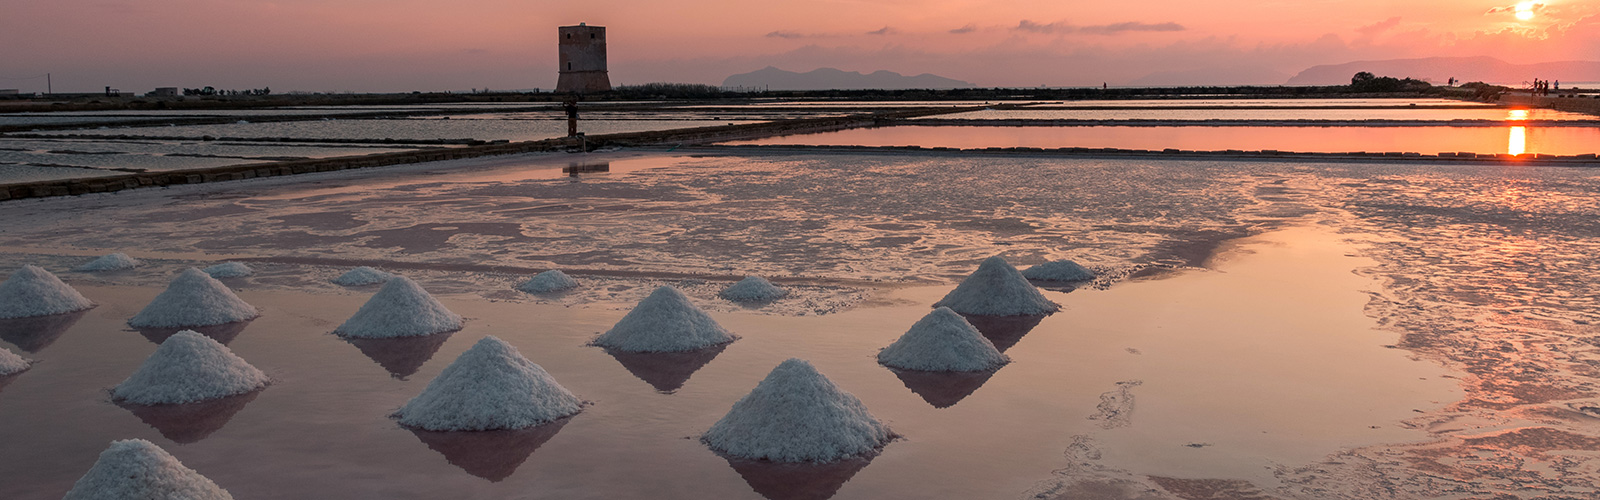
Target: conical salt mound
(942,341)
(664,322)
(193,299)
(362,276)
(797,415)
(135,468)
(549,282)
(753,289)
(400,309)
(229,270)
(11,363)
(186,368)
(1059,270)
(491,386)
(997,289)
(32,291)
(113,262)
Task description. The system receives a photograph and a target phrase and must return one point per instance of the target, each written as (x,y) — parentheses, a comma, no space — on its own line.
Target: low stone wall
(1583,160)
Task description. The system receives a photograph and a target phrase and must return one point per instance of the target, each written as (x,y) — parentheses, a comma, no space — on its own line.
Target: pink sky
(402,45)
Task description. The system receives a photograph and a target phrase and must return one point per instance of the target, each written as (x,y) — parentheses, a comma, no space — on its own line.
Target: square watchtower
(583,59)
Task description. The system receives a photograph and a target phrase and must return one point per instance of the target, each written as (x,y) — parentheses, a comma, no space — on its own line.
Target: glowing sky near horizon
(399,45)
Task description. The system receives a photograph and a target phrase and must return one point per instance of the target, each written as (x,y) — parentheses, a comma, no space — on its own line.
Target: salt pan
(400,309)
(548,282)
(997,289)
(229,270)
(193,299)
(362,276)
(942,341)
(797,415)
(664,322)
(113,262)
(32,291)
(1059,270)
(491,386)
(186,368)
(11,363)
(135,468)
(753,289)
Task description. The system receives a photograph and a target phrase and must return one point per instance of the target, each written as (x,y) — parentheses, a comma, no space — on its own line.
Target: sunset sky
(402,45)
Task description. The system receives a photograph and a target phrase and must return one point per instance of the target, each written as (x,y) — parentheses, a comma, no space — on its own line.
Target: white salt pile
(797,415)
(32,291)
(1059,270)
(362,276)
(942,341)
(997,289)
(400,309)
(229,270)
(186,368)
(11,363)
(664,322)
(753,289)
(194,298)
(135,468)
(548,282)
(113,262)
(491,386)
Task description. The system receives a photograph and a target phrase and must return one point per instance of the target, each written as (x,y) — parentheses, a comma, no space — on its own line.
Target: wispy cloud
(1033,27)
(1379,27)
(1513,8)
(965,29)
(1112,29)
(883,31)
(1061,27)
(785,34)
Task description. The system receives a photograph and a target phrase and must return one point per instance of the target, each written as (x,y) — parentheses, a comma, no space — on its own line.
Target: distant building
(8,91)
(583,59)
(163,92)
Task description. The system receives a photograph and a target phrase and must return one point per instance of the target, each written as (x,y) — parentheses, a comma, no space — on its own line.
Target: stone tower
(583,59)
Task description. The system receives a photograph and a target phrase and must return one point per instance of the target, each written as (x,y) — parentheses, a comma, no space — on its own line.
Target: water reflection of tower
(583,59)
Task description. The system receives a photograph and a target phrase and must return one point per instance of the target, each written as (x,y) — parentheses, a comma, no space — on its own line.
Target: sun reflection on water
(1519,141)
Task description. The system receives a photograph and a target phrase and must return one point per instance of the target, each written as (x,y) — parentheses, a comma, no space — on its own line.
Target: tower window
(569,36)
(569,66)
(591,36)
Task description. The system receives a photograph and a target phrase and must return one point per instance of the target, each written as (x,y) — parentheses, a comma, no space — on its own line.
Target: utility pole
(48,87)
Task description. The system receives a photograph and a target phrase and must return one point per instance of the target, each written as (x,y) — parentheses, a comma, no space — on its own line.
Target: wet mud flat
(1266,330)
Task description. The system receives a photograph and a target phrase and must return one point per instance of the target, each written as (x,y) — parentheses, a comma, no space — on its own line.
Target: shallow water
(320,429)
(1380,330)
(1426,140)
(377,130)
(1397,113)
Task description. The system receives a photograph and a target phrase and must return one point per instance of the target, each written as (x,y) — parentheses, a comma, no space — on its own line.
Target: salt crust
(753,289)
(138,469)
(942,341)
(189,367)
(797,415)
(400,309)
(1059,270)
(664,322)
(33,291)
(11,363)
(193,298)
(362,276)
(549,281)
(229,270)
(997,289)
(490,386)
(112,262)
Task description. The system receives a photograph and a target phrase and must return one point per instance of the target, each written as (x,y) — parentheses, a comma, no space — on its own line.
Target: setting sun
(1525,11)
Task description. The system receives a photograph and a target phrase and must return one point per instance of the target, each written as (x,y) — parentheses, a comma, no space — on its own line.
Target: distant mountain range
(834,79)
(1463,69)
